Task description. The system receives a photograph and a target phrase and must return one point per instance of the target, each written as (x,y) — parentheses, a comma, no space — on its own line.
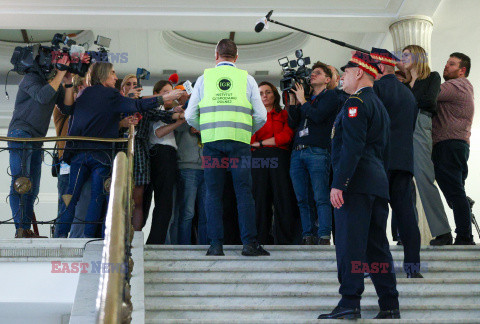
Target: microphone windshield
(259,26)
(173,78)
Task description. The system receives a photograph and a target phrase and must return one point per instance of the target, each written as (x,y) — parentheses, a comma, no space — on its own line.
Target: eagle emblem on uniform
(352,112)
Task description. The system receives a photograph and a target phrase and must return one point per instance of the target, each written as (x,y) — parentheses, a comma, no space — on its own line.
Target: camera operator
(96,113)
(310,160)
(34,104)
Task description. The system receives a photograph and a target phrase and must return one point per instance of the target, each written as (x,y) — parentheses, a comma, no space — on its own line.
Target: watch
(68,85)
(261,143)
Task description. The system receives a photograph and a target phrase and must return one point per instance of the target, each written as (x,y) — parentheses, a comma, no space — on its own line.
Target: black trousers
(163,159)
(402,205)
(362,246)
(450,161)
(272,187)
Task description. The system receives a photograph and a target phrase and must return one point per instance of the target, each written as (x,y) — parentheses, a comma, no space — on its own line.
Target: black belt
(426,113)
(300,147)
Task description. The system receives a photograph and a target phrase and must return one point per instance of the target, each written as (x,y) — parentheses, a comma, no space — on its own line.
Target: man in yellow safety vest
(227,109)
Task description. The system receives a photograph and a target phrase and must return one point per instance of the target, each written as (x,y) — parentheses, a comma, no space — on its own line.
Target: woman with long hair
(425,86)
(96,113)
(271,180)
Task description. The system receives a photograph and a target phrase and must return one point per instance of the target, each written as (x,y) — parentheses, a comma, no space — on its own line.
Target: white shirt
(259,114)
(168,139)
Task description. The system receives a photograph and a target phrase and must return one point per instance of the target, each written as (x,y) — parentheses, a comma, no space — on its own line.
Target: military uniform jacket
(402,110)
(360,144)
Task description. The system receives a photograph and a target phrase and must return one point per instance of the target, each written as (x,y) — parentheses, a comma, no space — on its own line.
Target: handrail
(113,299)
(63,138)
(109,298)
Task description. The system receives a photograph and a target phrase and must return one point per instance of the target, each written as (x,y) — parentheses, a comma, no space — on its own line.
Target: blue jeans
(190,189)
(83,165)
(24,162)
(312,164)
(76,231)
(239,156)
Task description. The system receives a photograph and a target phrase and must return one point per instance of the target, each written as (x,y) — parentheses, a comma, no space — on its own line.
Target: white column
(412,30)
(415,30)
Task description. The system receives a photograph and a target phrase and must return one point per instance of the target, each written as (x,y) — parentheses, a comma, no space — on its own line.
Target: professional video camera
(291,76)
(43,59)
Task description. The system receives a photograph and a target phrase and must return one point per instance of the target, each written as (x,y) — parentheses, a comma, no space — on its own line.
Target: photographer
(310,160)
(34,106)
(96,113)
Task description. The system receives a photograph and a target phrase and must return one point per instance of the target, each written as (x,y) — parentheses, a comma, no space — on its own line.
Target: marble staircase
(296,283)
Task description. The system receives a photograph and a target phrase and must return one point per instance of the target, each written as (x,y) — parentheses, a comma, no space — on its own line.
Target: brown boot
(27,233)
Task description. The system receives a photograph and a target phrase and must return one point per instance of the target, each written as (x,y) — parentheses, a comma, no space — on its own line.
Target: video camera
(291,76)
(42,59)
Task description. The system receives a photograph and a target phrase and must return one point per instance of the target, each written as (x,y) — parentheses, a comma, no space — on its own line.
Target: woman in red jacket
(270,172)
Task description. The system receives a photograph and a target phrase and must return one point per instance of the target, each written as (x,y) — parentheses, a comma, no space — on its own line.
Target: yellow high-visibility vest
(225,112)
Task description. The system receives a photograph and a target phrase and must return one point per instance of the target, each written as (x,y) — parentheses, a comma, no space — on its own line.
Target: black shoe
(254,249)
(342,313)
(444,239)
(464,240)
(322,241)
(309,240)
(215,250)
(414,275)
(387,314)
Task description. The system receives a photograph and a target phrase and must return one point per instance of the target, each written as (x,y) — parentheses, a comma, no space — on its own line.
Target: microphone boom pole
(343,44)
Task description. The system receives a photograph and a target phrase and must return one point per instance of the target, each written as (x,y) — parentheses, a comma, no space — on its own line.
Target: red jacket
(276,126)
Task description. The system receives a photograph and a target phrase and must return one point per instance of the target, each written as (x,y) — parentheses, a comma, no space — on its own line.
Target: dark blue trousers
(219,156)
(401,202)
(362,246)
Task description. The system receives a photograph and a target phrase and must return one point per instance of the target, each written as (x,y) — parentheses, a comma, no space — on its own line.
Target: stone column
(415,30)
(412,30)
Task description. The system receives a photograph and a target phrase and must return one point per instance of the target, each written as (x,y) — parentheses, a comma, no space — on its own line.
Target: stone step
(426,255)
(405,291)
(309,321)
(438,274)
(266,265)
(159,312)
(325,299)
(191,248)
(259,276)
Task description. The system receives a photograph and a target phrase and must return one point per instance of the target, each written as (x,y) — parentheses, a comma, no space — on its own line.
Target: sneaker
(388,314)
(254,249)
(464,240)
(444,239)
(27,233)
(323,241)
(309,240)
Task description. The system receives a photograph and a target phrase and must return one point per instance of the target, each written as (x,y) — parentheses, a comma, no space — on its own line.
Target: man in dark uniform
(360,194)
(402,110)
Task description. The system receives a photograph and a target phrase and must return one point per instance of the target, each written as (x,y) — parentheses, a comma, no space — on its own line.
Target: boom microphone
(263,22)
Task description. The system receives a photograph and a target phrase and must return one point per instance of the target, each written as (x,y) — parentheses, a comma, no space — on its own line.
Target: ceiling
(140,30)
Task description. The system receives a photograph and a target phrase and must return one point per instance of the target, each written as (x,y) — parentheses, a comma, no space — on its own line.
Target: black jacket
(359,145)
(426,92)
(402,110)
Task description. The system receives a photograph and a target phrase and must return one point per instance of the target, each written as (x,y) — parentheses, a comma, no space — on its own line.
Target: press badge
(64,168)
(303,132)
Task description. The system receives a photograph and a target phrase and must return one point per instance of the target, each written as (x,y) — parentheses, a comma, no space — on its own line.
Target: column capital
(412,30)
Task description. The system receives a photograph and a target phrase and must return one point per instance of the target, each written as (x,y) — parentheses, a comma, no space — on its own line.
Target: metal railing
(114,303)
(113,297)
(23,183)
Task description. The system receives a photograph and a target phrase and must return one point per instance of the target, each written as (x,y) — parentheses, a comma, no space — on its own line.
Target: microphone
(173,78)
(262,23)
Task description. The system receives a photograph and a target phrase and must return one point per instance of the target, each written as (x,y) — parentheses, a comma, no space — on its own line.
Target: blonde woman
(425,86)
